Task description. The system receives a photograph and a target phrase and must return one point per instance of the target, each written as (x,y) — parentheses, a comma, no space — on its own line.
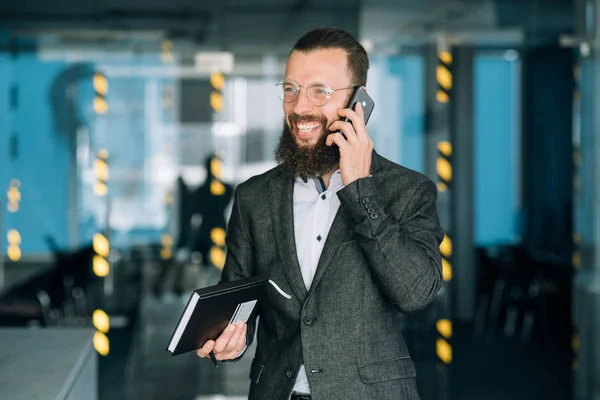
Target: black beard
(306,162)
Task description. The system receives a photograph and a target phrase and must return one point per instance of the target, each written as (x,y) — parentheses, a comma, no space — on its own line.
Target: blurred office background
(125,127)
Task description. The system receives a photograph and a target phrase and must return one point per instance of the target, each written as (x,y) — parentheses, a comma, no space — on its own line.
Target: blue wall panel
(496,150)
(410,69)
(5,128)
(42,161)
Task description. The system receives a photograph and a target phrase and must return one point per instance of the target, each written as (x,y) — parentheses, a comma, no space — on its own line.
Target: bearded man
(353,238)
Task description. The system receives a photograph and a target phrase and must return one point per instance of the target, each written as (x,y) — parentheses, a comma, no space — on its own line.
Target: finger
(222,341)
(206,349)
(242,341)
(232,345)
(360,111)
(357,119)
(338,139)
(345,127)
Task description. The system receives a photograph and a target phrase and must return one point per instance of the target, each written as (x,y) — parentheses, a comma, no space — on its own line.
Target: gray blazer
(381,258)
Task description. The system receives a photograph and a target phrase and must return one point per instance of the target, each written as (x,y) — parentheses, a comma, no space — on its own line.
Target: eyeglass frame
(329,94)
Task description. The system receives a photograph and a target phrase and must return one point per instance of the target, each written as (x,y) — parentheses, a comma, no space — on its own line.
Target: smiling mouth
(305,130)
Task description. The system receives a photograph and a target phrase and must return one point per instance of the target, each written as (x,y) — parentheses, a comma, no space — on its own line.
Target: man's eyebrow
(317,82)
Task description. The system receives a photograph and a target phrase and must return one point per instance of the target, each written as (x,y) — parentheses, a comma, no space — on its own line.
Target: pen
(214,359)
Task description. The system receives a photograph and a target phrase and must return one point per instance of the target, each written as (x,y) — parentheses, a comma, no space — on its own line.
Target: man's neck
(326,177)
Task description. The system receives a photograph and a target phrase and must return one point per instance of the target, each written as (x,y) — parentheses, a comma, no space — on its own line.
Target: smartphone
(367,103)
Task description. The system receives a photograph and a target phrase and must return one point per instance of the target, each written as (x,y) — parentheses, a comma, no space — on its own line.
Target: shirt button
(308,320)
(319,238)
(324,197)
(290,373)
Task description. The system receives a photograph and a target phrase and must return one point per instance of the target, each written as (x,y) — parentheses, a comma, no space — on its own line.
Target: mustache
(295,118)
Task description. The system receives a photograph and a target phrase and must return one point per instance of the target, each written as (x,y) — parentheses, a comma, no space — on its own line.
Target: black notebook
(209,310)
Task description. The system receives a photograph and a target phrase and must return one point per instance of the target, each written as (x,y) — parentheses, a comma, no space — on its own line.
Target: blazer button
(374,215)
(365,200)
(290,373)
(308,320)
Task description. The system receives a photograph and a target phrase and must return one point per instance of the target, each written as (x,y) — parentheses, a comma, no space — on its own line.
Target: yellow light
(13,236)
(14,252)
(446,270)
(441,186)
(169,198)
(100,189)
(215,168)
(101,321)
(103,154)
(13,194)
(444,169)
(100,84)
(217,80)
(446,246)
(445,148)
(100,266)
(442,97)
(100,105)
(444,77)
(217,188)
(101,344)
(166,240)
(575,343)
(444,327)
(216,101)
(166,253)
(576,260)
(101,245)
(217,257)
(443,350)
(217,235)
(166,45)
(446,57)
(101,169)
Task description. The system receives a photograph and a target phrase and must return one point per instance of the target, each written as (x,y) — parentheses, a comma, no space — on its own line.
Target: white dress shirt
(314,211)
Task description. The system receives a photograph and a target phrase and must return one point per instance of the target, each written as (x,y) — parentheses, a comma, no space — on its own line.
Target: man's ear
(365,89)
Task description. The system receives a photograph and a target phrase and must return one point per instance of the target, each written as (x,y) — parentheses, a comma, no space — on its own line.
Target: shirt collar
(335,183)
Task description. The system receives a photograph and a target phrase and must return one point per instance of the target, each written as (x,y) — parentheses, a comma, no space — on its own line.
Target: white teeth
(306,128)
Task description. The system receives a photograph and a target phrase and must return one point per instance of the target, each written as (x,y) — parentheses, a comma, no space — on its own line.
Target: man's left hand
(356,148)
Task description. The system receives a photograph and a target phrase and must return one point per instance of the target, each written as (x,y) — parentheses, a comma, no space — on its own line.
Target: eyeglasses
(318,94)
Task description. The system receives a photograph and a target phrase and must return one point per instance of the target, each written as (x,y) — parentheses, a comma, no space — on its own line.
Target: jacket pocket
(387,370)
(256,370)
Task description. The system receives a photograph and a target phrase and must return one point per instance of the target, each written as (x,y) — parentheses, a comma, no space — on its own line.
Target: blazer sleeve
(239,261)
(401,244)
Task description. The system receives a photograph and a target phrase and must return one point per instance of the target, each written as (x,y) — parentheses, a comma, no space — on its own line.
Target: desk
(51,363)
(18,273)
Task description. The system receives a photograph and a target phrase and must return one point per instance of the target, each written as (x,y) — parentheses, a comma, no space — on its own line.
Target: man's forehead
(327,66)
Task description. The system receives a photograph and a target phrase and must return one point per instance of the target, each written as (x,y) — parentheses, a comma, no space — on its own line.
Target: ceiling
(249,27)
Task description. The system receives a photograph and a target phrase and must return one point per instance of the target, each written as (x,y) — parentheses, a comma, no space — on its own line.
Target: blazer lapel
(281,198)
(338,231)
(340,227)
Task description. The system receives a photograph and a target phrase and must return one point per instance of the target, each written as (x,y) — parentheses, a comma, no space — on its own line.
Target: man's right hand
(229,345)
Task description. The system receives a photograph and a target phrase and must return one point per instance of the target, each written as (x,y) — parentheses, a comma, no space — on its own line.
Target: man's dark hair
(333,38)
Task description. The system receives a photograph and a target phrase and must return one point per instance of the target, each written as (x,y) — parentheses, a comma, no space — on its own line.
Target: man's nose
(302,105)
